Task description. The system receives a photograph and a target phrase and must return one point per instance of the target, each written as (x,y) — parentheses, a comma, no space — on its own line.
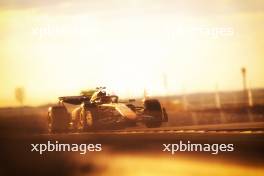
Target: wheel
(58,119)
(152,107)
(85,121)
(89,119)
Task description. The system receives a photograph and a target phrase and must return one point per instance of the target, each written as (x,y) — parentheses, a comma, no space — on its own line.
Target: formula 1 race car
(99,111)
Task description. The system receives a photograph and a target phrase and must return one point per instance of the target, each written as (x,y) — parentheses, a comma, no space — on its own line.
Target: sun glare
(54,54)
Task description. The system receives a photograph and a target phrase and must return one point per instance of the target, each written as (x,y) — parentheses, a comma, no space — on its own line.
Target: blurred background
(58,48)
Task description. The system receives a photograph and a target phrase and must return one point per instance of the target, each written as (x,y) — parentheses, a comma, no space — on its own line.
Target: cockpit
(101,97)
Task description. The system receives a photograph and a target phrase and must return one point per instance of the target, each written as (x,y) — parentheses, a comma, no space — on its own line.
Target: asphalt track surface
(233,128)
(135,145)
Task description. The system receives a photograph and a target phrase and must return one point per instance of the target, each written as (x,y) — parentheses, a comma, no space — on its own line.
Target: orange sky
(53,49)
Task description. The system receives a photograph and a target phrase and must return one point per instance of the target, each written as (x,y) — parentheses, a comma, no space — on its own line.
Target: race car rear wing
(75,100)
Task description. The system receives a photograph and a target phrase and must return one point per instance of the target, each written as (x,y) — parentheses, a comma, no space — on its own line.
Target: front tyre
(153,108)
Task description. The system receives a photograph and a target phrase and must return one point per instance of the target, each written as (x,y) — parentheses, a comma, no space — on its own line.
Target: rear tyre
(152,107)
(86,121)
(58,119)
